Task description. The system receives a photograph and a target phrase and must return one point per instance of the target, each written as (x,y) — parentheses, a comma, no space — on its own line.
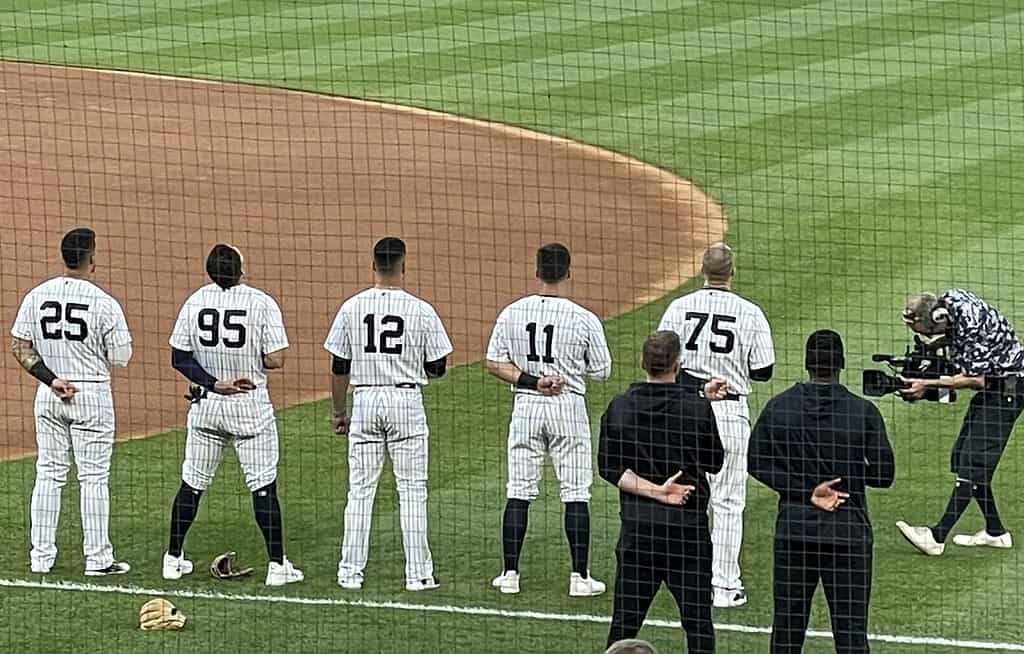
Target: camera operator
(982,343)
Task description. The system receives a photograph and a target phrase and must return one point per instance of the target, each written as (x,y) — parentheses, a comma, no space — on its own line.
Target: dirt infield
(163,168)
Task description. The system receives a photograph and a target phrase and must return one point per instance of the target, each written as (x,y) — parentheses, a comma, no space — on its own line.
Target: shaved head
(718,264)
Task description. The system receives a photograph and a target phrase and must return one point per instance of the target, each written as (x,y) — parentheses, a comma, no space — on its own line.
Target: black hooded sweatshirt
(812,433)
(657,430)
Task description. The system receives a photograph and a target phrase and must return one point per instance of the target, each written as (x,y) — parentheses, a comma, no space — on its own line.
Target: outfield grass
(862,149)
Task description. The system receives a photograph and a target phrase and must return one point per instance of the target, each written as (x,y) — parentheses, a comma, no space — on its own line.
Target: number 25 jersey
(548,335)
(229,331)
(387,334)
(722,335)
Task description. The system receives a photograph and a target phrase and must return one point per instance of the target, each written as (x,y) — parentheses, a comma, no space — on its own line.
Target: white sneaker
(507,582)
(176,567)
(729,598)
(922,538)
(429,583)
(115,568)
(982,539)
(353,582)
(580,586)
(279,574)
(40,568)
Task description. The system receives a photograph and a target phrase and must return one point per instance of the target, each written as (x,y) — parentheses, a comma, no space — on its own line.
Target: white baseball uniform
(80,331)
(228,332)
(387,334)
(725,336)
(546,335)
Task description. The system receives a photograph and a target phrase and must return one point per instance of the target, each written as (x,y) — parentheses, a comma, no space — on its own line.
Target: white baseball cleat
(580,586)
(353,582)
(429,583)
(922,538)
(176,567)
(115,568)
(279,574)
(507,582)
(729,598)
(983,539)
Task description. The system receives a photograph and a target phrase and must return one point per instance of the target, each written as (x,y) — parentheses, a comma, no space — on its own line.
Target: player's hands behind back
(63,389)
(233,386)
(826,497)
(550,385)
(716,389)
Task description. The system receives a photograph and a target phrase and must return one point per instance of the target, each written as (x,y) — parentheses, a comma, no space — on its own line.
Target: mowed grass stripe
(344,52)
(737,103)
(256,21)
(502,85)
(656,88)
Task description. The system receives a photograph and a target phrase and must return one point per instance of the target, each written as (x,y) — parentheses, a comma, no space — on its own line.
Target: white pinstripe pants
(729,492)
(80,431)
(559,427)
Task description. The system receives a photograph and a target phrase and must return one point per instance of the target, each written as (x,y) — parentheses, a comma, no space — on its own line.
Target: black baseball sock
(268,517)
(183,514)
(958,503)
(577,530)
(513,531)
(987,504)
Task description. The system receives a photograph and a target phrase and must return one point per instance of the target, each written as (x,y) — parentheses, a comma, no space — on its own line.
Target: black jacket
(657,430)
(814,433)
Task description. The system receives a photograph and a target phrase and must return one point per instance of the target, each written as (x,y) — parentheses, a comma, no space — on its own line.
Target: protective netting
(852,153)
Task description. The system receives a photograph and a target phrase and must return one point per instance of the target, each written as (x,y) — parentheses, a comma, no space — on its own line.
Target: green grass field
(863,149)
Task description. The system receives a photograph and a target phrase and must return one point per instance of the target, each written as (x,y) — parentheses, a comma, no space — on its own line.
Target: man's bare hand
(63,389)
(716,389)
(550,385)
(672,493)
(826,497)
(914,391)
(234,386)
(341,422)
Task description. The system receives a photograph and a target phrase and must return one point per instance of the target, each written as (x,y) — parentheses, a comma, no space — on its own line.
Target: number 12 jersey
(548,335)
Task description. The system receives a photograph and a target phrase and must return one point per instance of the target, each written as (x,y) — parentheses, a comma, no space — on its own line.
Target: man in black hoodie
(819,447)
(659,441)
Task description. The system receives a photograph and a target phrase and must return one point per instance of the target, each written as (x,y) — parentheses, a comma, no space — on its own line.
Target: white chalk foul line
(934,641)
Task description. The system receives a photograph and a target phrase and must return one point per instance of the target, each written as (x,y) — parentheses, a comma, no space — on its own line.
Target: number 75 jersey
(229,331)
(547,335)
(722,335)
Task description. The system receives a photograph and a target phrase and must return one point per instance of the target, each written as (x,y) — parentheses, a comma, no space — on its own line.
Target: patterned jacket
(983,341)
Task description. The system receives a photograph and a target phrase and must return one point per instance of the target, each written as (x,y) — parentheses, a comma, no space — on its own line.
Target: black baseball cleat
(423,584)
(115,568)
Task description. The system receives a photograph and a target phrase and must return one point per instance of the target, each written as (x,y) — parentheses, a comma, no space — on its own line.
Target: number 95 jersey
(722,335)
(229,331)
(548,335)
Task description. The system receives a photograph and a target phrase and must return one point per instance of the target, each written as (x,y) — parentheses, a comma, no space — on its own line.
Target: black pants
(844,573)
(985,432)
(679,556)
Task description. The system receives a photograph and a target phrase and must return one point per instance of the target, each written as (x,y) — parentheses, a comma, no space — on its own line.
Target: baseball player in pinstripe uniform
(728,337)
(386,343)
(68,334)
(545,345)
(226,337)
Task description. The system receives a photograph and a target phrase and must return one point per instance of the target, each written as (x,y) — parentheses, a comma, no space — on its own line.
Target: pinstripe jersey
(547,335)
(723,335)
(229,331)
(388,334)
(73,325)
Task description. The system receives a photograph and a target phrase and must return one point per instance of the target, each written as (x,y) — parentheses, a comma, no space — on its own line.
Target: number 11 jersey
(229,331)
(388,334)
(548,335)
(722,334)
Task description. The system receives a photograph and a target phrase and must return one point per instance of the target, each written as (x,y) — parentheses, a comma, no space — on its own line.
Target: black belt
(405,385)
(696,383)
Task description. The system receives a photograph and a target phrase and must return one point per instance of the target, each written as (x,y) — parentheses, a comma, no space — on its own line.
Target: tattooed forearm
(25,353)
